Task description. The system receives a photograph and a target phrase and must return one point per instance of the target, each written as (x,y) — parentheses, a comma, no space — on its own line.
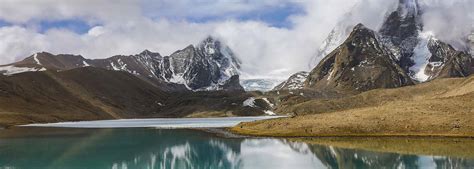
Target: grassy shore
(439,108)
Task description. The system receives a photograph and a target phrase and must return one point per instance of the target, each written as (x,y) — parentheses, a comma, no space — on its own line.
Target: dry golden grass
(440,108)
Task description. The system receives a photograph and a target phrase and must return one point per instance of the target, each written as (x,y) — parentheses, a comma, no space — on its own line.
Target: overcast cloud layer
(130,26)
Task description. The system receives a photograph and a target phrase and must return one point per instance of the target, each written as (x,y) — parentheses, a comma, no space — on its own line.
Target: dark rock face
(436,59)
(207,67)
(400,34)
(233,84)
(361,63)
(400,31)
(446,62)
(296,81)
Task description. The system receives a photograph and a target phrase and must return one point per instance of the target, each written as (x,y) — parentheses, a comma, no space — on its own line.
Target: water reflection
(186,149)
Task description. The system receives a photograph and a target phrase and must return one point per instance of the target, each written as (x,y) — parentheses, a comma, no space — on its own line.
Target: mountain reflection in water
(47,148)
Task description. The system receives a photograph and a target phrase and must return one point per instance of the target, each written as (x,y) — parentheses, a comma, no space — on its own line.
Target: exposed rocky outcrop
(446,62)
(232,84)
(205,67)
(361,63)
(400,31)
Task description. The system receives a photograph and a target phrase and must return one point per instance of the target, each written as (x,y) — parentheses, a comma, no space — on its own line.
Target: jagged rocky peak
(361,63)
(403,23)
(400,31)
(205,67)
(232,84)
(434,58)
(295,82)
(445,61)
(221,53)
(146,52)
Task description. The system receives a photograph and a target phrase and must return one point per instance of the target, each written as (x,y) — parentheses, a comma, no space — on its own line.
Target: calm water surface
(146,148)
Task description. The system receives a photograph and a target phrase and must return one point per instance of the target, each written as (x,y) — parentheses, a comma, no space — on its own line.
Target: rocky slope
(209,66)
(418,53)
(400,31)
(204,67)
(296,81)
(335,38)
(446,62)
(361,63)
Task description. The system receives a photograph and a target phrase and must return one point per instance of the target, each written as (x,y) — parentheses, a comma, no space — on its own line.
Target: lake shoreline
(242,131)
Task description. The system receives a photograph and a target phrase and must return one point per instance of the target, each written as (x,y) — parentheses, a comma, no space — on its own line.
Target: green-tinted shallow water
(48,148)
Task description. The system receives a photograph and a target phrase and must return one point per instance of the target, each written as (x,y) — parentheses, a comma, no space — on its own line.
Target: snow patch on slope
(11,70)
(85,64)
(250,102)
(269,112)
(35,56)
(421,58)
(268,102)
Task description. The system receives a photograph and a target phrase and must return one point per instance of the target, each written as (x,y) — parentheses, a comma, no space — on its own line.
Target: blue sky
(75,25)
(273,15)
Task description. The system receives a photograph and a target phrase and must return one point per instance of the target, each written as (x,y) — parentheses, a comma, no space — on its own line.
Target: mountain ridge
(209,66)
(417,52)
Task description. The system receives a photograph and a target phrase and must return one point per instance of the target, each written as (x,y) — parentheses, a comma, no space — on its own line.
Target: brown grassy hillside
(93,94)
(441,107)
(79,94)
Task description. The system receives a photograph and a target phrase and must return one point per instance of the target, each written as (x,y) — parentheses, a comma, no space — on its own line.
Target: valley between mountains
(400,80)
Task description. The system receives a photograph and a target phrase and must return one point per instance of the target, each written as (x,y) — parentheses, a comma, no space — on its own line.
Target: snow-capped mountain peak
(148,53)
(224,57)
(205,67)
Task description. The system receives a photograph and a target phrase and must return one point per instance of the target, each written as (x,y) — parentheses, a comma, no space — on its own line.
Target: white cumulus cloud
(130,26)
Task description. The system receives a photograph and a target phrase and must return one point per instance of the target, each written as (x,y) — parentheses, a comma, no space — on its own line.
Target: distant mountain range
(201,81)
(208,66)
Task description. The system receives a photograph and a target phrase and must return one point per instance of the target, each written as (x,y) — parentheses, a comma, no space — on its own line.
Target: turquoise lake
(149,148)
